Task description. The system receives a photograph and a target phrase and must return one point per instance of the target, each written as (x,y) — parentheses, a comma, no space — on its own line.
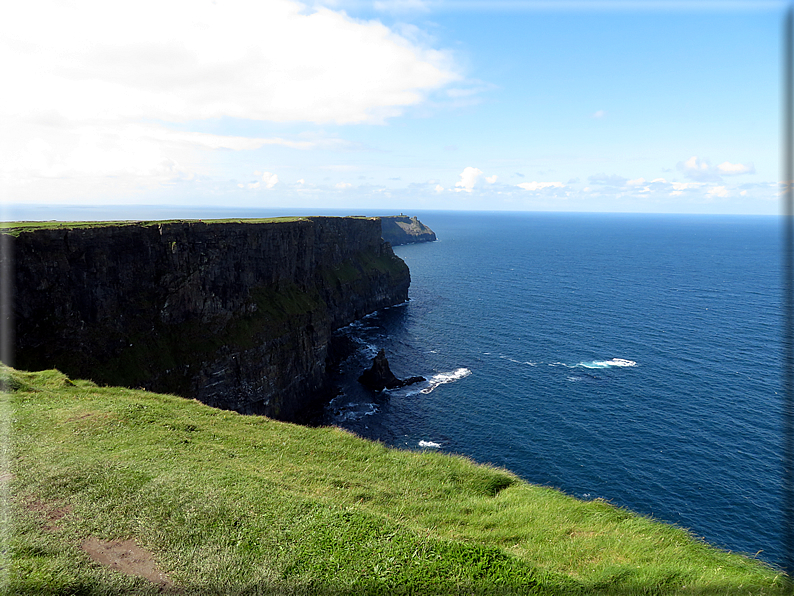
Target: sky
(588,106)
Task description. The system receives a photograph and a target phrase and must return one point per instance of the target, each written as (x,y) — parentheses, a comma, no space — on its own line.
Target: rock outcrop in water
(239,315)
(401,229)
(380,376)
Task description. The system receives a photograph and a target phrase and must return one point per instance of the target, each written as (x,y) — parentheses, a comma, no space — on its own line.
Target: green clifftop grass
(15,228)
(234,504)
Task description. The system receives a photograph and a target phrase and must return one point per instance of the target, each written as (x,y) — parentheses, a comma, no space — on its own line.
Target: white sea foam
(429,444)
(619,362)
(356,411)
(512,360)
(442,378)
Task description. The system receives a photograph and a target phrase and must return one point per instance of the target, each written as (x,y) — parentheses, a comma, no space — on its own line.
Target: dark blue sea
(634,358)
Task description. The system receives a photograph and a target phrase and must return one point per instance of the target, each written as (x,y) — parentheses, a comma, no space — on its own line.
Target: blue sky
(400,104)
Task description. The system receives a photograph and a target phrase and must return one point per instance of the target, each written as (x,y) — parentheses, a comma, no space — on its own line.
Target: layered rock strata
(236,314)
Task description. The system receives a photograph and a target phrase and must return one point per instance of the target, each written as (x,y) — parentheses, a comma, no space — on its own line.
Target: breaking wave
(618,362)
(429,445)
(441,378)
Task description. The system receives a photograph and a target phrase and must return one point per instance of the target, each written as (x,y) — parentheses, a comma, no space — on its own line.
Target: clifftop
(237,314)
(401,229)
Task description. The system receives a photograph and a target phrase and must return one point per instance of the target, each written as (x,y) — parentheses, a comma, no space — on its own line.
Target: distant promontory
(401,229)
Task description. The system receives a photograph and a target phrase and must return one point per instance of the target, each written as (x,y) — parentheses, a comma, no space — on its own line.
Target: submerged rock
(380,376)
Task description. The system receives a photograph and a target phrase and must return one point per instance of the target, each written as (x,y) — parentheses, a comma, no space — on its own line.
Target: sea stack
(380,376)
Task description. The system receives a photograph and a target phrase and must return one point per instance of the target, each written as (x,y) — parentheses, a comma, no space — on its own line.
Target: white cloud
(199,60)
(696,168)
(734,169)
(600,114)
(211,141)
(439,188)
(269,179)
(718,191)
(541,185)
(342,185)
(695,164)
(491,179)
(135,154)
(699,169)
(89,151)
(92,79)
(636,182)
(468,178)
(686,185)
(147,153)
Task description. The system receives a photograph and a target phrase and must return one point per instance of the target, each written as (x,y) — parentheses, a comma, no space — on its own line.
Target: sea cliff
(401,229)
(237,314)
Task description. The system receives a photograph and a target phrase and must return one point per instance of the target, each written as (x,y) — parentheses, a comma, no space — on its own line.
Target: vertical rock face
(237,315)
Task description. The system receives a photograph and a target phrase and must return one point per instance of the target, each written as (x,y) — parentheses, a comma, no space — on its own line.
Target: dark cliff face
(237,315)
(401,229)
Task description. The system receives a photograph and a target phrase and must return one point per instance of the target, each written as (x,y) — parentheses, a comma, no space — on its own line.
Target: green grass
(15,228)
(233,504)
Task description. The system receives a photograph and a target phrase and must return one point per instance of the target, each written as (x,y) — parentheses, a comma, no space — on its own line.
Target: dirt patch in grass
(126,557)
(51,513)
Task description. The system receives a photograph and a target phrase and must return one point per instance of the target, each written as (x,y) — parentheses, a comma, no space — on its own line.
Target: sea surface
(634,358)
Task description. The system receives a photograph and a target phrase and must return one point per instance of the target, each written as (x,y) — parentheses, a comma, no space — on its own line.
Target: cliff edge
(401,229)
(237,314)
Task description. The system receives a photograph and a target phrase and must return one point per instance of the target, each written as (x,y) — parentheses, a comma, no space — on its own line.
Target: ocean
(633,358)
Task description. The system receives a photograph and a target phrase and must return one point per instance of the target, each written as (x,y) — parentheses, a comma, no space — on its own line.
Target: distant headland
(401,229)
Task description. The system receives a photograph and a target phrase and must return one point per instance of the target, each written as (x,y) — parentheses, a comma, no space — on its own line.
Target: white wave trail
(619,362)
(429,444)
(441,378)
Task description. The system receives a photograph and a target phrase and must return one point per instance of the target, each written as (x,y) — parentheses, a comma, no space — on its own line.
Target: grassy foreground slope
(232,504)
